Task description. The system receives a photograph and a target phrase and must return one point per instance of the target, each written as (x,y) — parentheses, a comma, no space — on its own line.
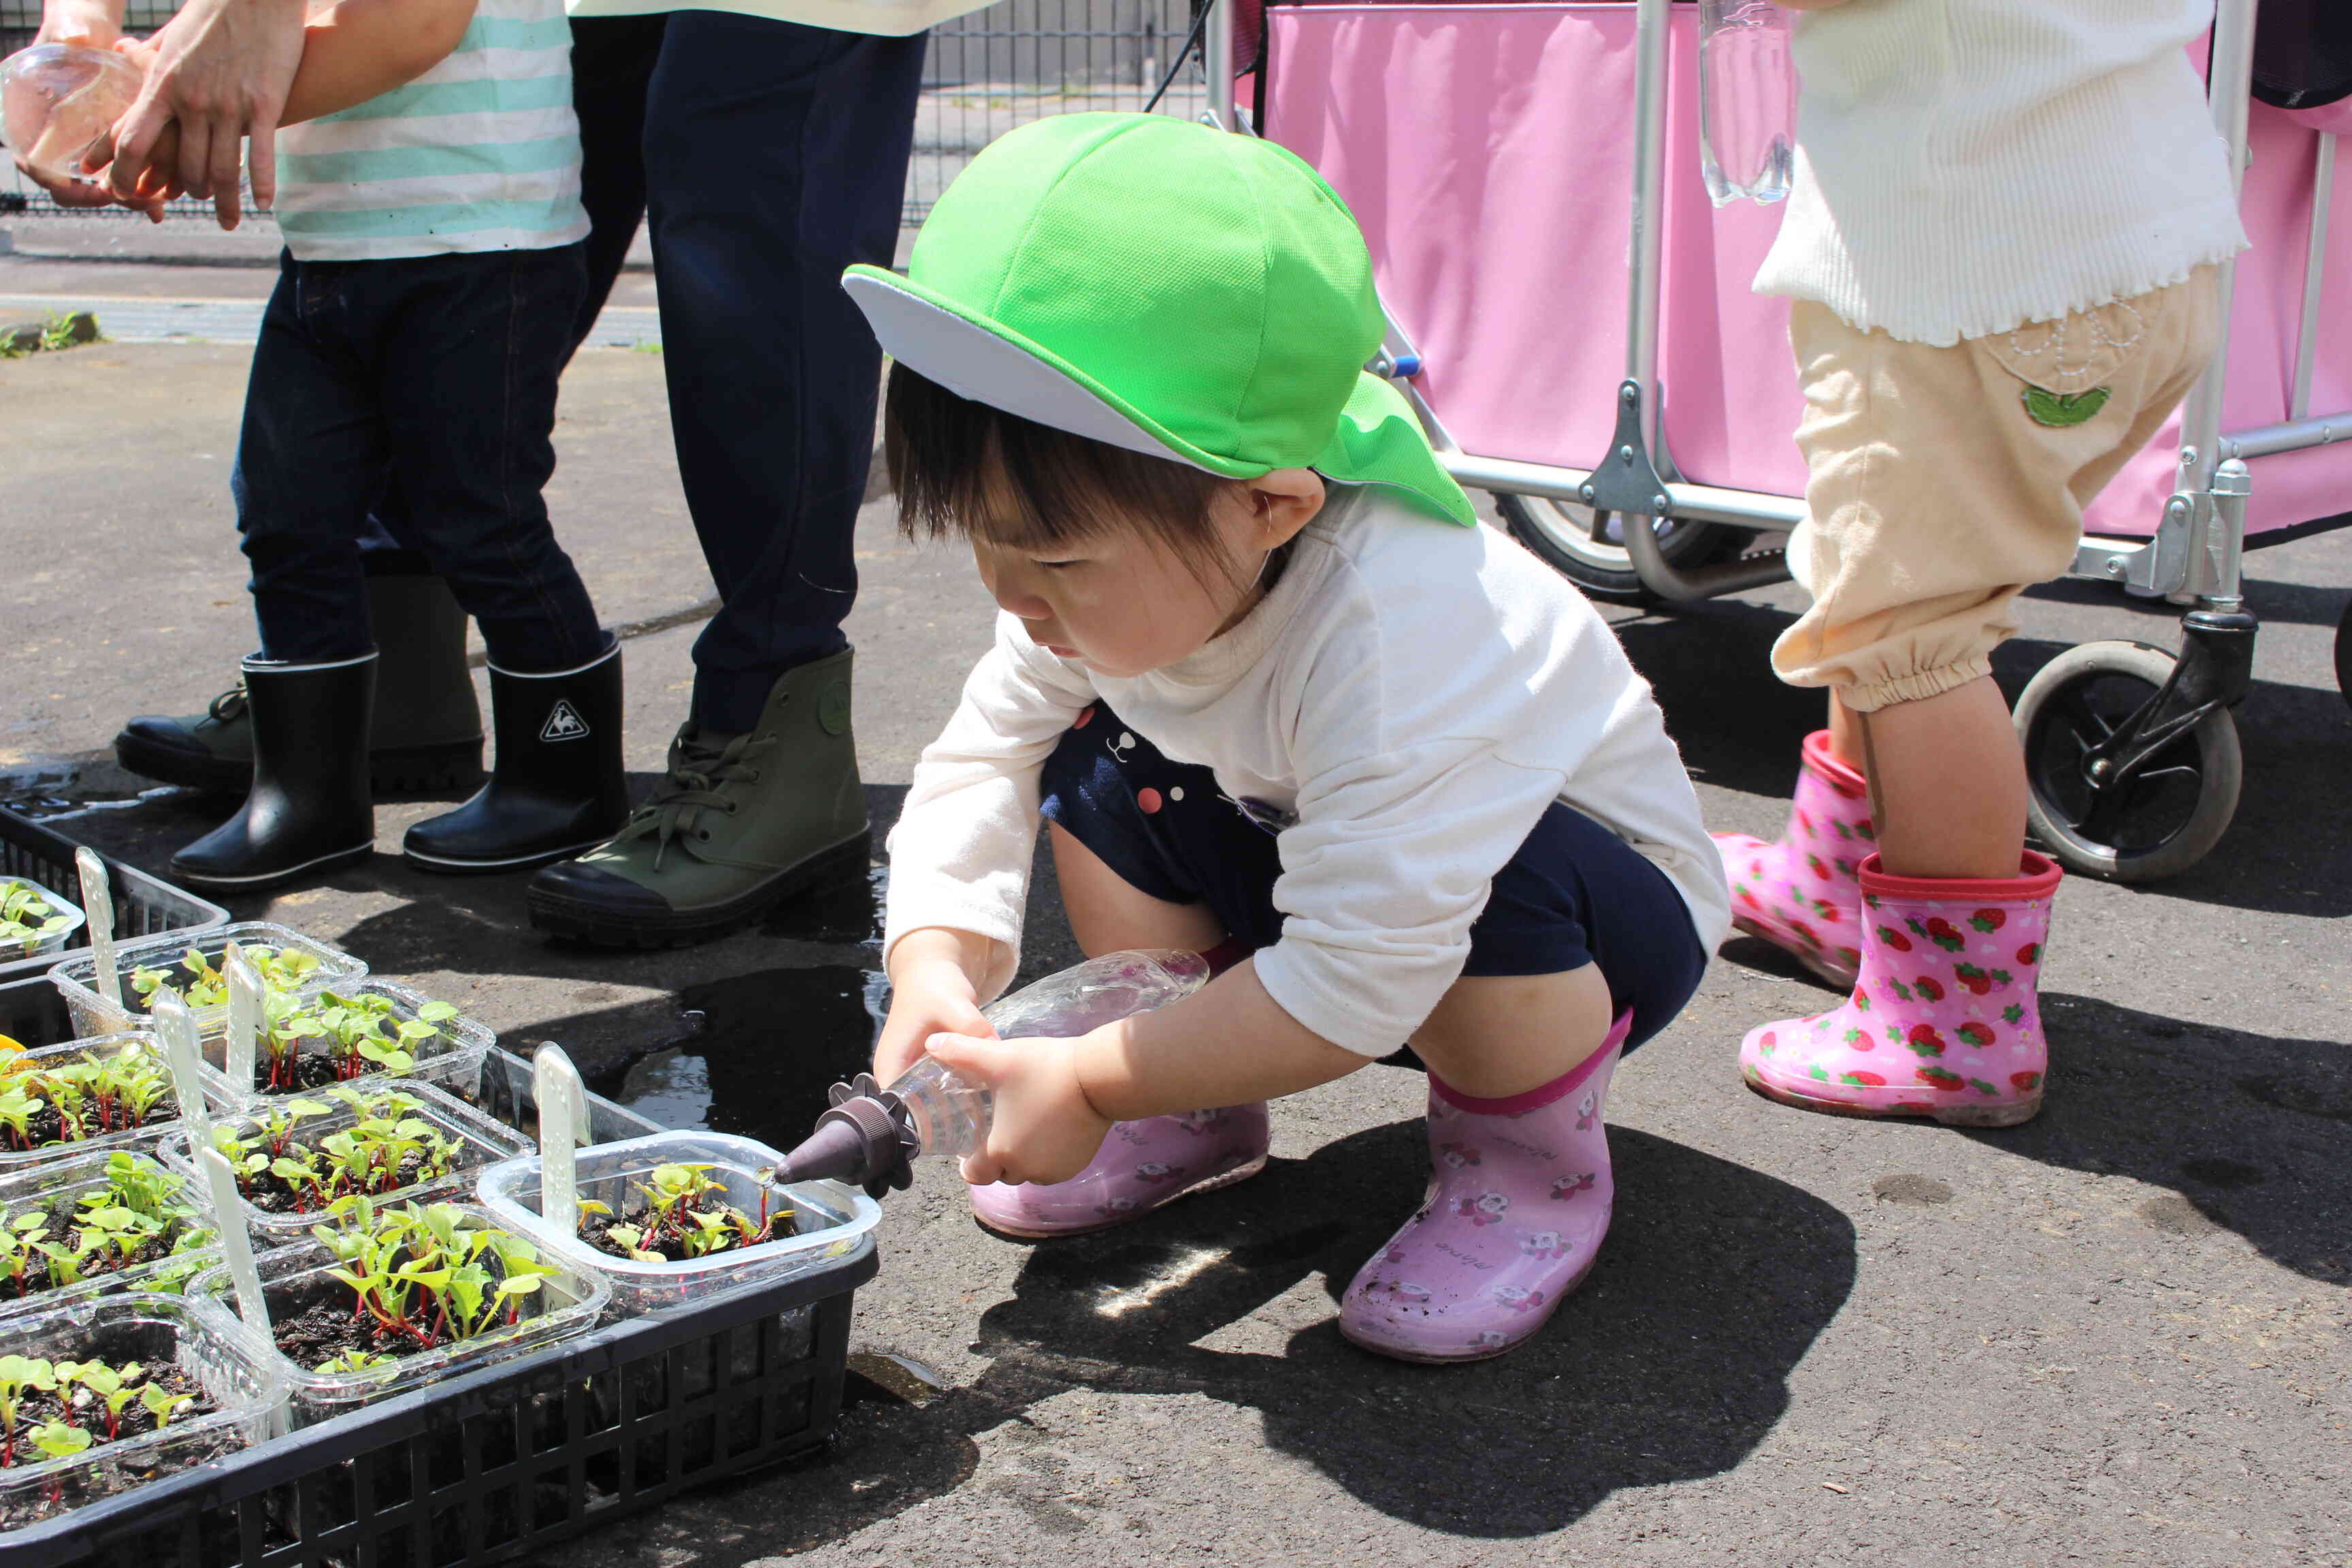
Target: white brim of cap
(973,363)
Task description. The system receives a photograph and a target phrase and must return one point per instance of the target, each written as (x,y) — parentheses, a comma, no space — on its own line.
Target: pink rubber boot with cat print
(1800,893)
(1943,1021)
(1519,1198)
(1141,1166)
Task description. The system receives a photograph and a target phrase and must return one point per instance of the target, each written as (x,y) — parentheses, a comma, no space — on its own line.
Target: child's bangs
(963,470)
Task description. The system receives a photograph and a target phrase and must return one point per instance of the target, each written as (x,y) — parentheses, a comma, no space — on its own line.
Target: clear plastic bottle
(951,1112)
(1748,101)
(57,99)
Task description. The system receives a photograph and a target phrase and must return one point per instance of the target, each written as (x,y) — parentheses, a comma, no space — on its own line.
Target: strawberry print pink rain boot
(1943,1020)
(1519,1197)
(1800,893)
(1141,1165)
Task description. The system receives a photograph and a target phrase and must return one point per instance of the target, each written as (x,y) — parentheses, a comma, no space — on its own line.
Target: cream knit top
(1964,166)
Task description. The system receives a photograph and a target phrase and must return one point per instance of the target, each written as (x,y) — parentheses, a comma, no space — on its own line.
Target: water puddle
(762,1054)
(901,1377)
(850,910)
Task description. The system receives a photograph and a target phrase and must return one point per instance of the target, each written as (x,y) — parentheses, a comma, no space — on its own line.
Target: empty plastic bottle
(58,99)
(1748,101)
(872,1132)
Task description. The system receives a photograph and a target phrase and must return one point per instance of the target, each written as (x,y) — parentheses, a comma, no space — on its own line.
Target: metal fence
(986,72)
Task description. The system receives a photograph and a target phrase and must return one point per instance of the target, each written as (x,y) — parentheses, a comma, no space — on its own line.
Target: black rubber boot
(558,787)
(308,810)
(427,739)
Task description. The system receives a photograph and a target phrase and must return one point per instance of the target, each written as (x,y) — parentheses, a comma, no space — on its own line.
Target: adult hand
(93,25)
(220,70)
(1043,1129)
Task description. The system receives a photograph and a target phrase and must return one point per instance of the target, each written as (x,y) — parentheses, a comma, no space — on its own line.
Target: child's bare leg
(1108,913)
(1497,1036)
(1947,781)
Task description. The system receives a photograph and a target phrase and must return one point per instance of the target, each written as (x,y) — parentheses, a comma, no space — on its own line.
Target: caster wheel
(2165,816)
(1588,548)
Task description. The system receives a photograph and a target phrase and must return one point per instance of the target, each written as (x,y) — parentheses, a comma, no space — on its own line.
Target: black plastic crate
(32,1015)
(504,1461)
(142,905)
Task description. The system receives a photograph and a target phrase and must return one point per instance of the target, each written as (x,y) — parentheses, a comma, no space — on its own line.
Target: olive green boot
(739,824)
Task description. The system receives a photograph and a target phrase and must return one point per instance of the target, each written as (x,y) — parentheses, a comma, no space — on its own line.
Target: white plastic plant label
(237,1248)
(245,1015)
(175,1027)
(562,1105)
(98,905)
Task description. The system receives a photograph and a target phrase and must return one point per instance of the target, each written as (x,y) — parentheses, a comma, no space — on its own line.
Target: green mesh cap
(1162,287)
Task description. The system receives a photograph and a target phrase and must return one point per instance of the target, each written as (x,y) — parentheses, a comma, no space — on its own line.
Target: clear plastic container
(568,1303)
(77,979)
(58,1188)
(455,1037)
(501,1086)
(57,99)
(61,906)
(830,1220)
(197,1335)
(482,1143)
(1748,101)
(162,1121)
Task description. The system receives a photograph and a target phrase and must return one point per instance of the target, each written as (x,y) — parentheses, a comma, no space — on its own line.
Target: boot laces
(229,706)
(695,784)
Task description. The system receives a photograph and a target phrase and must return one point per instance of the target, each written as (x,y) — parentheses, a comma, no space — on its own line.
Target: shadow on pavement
(2248,1130)
(1671,1362)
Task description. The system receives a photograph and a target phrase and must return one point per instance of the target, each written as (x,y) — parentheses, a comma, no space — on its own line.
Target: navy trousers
(434,377)
(767,156)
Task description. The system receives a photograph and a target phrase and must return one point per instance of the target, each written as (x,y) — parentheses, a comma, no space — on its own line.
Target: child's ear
(1283,501)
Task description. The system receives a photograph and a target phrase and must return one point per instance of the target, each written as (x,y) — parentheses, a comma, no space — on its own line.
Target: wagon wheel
(1587,547)
(2160,819)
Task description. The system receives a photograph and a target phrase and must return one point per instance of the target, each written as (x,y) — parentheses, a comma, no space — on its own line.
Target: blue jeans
(768,156)
(434,375)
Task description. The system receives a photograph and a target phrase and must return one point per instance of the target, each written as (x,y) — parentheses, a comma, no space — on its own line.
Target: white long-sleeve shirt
(1965,166)
(1416,695)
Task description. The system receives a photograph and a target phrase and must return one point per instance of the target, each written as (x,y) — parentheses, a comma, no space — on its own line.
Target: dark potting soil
(87,1484)
(46,1126)
(85,1409)
(308,1070)
(272,1193)
(597,1231)
(152,1249)
(313,1323)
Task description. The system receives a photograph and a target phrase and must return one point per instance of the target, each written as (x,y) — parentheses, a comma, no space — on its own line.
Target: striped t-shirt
(482,152)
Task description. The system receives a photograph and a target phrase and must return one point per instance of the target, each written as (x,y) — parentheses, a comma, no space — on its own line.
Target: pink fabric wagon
(1575,319)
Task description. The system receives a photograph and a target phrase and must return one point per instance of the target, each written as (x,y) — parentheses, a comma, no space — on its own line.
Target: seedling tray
(452,1036)
(57,941)
(76,978)
(507,1460)
(144,907)
(568,1303)
(826,1218)
(160,1124)
(482,1144)
(59,1186)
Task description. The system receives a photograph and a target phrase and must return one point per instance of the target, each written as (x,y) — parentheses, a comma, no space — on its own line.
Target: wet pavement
(2117,1335)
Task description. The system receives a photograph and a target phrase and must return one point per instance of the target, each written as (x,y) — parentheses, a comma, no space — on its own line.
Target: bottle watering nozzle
(867,1139)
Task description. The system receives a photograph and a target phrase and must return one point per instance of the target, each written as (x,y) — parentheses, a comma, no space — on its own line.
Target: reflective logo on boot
(563,723)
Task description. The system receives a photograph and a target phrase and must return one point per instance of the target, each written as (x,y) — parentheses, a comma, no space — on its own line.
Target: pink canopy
(1487,151)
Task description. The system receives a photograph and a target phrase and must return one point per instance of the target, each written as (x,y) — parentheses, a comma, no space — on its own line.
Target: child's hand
(922,1006)
(1045,1128)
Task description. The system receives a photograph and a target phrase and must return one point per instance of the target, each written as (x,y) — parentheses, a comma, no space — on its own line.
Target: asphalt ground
(2114,1336)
